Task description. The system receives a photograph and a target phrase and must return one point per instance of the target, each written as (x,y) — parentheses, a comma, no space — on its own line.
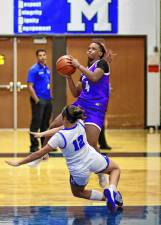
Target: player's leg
(114,172)
(57,122)
(78,190)
(112,195)
(93,133)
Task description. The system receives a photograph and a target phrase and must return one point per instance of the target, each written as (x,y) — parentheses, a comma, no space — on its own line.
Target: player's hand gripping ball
(64,66)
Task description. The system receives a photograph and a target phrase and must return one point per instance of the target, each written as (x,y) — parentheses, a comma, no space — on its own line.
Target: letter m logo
(97,16)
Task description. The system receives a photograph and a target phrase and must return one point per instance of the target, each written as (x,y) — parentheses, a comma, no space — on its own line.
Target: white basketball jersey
(78,153)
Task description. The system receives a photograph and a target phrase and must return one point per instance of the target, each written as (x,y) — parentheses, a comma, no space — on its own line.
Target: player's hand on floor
(12,163)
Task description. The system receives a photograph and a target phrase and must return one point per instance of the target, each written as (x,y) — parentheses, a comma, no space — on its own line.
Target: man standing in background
(40,97)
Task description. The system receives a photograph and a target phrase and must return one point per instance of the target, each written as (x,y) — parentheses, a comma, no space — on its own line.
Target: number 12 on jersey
(78,143)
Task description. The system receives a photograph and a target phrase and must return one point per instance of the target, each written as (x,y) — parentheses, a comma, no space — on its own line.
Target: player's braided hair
(102,48)
(107,54)
(73,113)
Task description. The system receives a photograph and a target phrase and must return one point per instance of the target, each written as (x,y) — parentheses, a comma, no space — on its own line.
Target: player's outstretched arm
(47,133)
(33,156)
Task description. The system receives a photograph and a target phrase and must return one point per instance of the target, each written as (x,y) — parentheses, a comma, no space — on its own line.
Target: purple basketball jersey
(94,98)
(95,93)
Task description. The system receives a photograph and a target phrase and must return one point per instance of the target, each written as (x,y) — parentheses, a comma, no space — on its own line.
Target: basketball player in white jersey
(82,160)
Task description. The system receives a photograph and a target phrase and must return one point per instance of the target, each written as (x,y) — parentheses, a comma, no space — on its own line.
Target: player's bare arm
(75,89)
(93,76)
(35,155)
(47,133)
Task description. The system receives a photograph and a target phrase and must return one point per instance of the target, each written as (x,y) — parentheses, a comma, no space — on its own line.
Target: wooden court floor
(25,189)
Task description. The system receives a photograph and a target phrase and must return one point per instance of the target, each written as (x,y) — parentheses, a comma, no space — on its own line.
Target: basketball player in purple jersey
(92,92)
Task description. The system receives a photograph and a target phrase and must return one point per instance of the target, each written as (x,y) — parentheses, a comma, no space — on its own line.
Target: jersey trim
(94,125)
(81,124)
(65,142)
(93,64)
(70,127)
(107,74)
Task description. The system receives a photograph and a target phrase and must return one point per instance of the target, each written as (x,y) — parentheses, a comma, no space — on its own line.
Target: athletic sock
(112,187)
(96,195)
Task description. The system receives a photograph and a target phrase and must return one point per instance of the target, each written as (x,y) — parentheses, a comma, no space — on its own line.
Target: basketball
(64,67)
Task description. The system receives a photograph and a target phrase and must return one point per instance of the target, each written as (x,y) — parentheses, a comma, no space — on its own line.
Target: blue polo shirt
(39,75)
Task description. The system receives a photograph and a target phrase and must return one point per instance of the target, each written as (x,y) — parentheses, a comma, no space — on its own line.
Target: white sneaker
(34,163)
(37,161)
(102,180)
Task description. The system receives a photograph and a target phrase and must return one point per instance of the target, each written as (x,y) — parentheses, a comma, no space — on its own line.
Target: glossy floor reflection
(91,215)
